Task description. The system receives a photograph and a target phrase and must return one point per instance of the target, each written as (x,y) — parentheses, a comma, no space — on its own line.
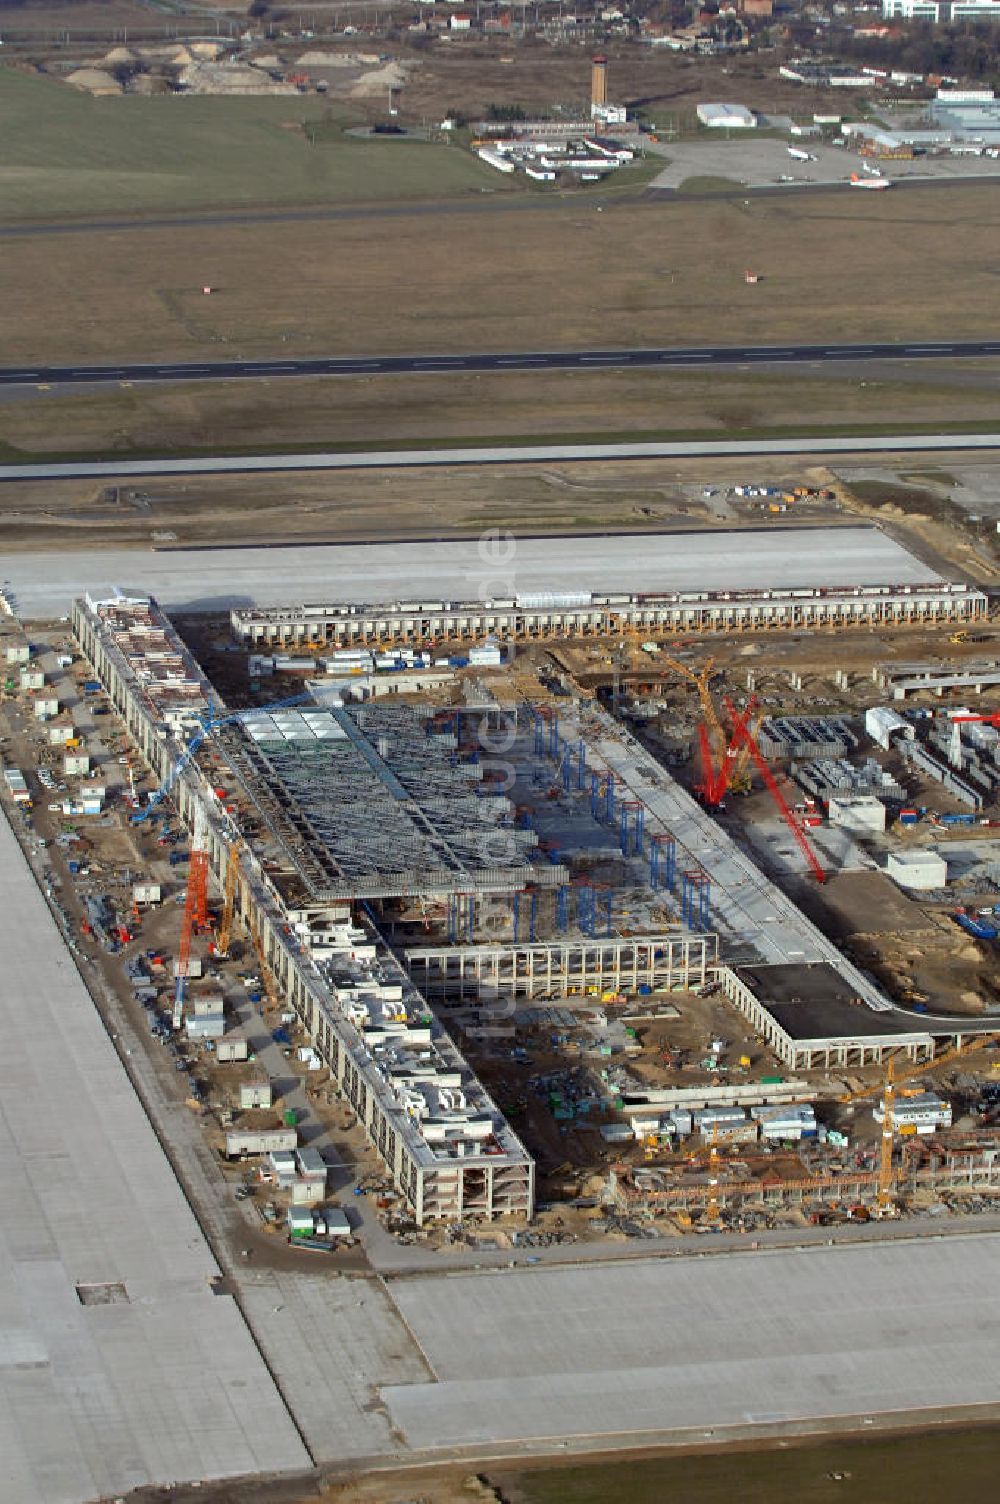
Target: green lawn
(66,153)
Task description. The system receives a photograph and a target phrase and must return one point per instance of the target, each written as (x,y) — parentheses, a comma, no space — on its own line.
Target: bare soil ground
(509,274)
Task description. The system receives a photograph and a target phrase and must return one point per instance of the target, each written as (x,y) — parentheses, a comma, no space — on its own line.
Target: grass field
(512,274)
(415,410)
(67,153)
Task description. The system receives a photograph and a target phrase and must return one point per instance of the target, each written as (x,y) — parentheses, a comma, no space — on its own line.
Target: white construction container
(256,1094)
(208,1006)
(300,1222)
(282,1163)
(920,1112)
(212,1027)
(337,1225)
(861,813)
(259,1141)
(76,764)
(16,786)
(147,893)
(791,1121)
(228,1050)
(487,656)
(307,1192)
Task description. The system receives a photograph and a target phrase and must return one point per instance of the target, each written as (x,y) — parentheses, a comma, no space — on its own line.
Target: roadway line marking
(928,349)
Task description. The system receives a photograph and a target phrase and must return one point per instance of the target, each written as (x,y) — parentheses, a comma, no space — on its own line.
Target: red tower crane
(743,736)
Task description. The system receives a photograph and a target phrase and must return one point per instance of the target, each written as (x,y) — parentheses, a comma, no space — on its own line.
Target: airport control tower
(598,86)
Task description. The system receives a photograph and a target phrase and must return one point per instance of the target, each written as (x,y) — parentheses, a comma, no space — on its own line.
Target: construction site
(547,920)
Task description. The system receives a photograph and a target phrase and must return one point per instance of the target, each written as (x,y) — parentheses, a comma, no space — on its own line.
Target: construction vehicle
(893,1079)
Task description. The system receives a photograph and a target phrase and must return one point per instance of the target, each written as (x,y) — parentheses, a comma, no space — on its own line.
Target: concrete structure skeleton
(447,1146)
(674,960)
(813,1019)
(838,558)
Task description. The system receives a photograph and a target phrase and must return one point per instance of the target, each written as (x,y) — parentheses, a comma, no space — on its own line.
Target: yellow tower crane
(229,898)
(701,679)
(895,1078)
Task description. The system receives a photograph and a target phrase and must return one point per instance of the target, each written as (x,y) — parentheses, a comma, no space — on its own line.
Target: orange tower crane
(195,916)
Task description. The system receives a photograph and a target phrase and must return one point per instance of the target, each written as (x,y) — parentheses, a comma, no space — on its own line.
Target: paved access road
(508,454)
(525,360)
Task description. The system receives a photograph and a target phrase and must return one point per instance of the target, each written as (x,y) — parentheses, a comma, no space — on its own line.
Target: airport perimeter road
(527,454)
(530,360)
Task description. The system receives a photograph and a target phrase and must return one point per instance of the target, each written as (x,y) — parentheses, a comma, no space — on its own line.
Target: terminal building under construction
(321,816)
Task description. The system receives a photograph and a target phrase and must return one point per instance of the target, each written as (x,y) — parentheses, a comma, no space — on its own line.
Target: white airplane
(875,183)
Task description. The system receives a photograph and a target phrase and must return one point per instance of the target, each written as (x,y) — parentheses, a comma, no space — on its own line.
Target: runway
(510,454)
(526,360)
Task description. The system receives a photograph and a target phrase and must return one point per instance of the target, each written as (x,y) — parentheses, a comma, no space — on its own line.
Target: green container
(290,1117)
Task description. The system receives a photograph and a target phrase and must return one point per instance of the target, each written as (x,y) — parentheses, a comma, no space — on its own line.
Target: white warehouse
(718,116)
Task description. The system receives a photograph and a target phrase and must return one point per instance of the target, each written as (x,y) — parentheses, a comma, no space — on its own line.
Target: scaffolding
(696,889)
(671,961)
(461,917)
(633,813)
(662,861)
(524,908)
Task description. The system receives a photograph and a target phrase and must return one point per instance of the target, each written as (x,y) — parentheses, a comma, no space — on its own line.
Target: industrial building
(721,116)
(941,11)
(813,1019)
(534,618)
